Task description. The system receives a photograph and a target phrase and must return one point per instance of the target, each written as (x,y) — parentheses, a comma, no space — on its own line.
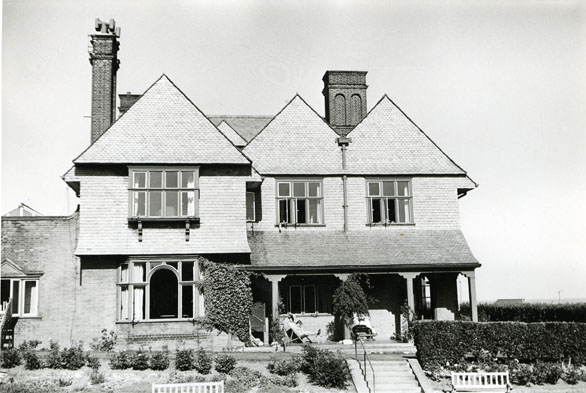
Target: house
(302,200)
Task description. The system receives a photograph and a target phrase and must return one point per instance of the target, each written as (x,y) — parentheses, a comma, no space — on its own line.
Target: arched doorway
(163,294)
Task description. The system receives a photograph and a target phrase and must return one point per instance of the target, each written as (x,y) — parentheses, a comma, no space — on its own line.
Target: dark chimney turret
(345,98)
(105,63)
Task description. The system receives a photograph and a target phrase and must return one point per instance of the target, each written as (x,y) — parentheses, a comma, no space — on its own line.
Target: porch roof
(388,249)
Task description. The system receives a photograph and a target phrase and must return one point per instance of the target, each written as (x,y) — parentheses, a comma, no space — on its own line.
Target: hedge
(529,312)
(445,343)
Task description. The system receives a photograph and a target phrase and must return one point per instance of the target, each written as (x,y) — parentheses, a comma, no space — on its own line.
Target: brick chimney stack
(345,97)
(105,63)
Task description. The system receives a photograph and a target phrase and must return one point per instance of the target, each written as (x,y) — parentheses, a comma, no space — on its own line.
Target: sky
(500,86)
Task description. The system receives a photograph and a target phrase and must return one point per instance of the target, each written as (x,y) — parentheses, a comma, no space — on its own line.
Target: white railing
(192,387)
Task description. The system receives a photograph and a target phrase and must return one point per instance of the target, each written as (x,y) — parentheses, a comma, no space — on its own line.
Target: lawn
(132,381)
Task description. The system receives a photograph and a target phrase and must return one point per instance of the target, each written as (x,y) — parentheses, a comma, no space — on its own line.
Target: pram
(363,328)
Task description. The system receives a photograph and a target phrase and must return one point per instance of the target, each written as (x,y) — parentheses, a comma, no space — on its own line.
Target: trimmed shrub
(324,368)
(159,361)
(10,358)
(202,362)
(546,373)
(284,366)
(31,360)
(139,360)
(120,361)
(349,299)
(73,358)
(445,343)
(225,363)
(184,360)
(528,312)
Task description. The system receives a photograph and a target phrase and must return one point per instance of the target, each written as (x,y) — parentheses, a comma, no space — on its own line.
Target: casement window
(164,192)
(250,208)
(159,289)
(299,202)
(309,299)
(24,293)
(389,202)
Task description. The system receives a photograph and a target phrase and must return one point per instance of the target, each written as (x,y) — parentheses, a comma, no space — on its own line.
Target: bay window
(299,202)
(163,192)
(389,202)
(161,289)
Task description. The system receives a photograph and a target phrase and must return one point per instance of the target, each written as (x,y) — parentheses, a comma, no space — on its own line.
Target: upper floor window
(250,208)
(166,192)
(389,202)
(300,202)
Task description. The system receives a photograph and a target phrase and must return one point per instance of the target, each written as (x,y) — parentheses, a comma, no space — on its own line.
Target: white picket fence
(193,387)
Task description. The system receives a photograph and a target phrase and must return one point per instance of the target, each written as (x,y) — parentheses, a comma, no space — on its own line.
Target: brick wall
(104,66)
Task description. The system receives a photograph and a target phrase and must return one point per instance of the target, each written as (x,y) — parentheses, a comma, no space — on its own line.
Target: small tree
(349,299)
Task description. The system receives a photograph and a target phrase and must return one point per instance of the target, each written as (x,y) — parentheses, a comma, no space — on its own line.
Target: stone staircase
(394,375)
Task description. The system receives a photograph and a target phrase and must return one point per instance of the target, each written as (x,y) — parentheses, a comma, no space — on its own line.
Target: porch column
(410,298)
(472,294)
(274,279)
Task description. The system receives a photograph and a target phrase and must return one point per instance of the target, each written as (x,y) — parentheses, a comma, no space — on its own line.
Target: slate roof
(246,126)
(387,141)
(368,248)
(297,141)
(229,132)
(162,127)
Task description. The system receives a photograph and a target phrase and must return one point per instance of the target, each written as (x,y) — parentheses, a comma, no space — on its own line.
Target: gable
(296,141)
(245,126)
(11,269)
(388,142)
(231,134)
(164,127)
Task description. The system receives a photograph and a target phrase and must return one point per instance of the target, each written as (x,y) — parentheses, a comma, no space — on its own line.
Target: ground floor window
(161,289)
(308,298)
(24,293)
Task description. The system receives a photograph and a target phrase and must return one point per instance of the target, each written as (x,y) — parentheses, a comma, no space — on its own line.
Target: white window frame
(21,296)
(291,202)
(152,266)
(386,199)
(148,190)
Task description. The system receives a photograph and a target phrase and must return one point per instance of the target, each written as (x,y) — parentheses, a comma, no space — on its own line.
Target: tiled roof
(164,127)
(387,141)
(368,248)
(236,139)
(296,141)
(246,126)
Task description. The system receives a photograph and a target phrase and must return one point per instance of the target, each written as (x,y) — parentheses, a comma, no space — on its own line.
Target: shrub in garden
(202,362)
(120,361)
(10,358)
(159,361)
(184,359)
(349,299)
(139,360)
(546,373)
(31,360)
(571,376)
(244,379)
(324,368)
(53,359)
(97,377)
(289,381)
(283,366)
(225,363)
(93,362)
(106,342)
(73,358)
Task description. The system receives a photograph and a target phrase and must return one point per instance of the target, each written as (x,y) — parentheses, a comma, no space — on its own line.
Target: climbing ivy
(227,297)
